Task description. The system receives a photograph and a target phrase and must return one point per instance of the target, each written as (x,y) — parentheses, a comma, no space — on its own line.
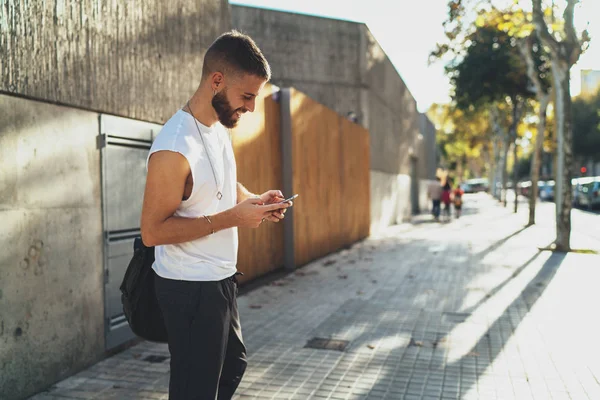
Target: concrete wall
(428,157)
(341,65)
(392,115)
(390,200)
(424,201)
(51,285)
(318,56)
(140,60)
(135,59)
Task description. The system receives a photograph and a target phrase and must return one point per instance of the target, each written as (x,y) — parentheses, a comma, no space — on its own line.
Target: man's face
(237,98)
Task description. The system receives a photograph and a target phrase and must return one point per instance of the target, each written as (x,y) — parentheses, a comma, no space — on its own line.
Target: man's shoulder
(175,125)
(177,137)
(176,129)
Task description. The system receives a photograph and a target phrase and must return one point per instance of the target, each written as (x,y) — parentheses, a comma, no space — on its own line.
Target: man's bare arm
(243,193)
(165,183)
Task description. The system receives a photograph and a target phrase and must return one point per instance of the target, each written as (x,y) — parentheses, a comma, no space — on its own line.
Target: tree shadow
(499,287)
(499,243)
(399,344)
(493,342)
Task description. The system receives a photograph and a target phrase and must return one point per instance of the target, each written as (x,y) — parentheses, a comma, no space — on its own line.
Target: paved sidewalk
(465,310)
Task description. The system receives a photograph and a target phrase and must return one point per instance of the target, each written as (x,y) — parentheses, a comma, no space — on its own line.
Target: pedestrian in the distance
(457,199)
(192,208)
(434,192)
(446,199)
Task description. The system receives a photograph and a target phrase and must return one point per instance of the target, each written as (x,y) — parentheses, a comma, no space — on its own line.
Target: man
(192,208)
(434,192)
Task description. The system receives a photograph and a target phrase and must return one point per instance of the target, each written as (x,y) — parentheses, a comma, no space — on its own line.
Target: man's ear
(217,81)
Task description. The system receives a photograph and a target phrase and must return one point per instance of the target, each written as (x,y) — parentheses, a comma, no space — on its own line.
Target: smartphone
(290,199)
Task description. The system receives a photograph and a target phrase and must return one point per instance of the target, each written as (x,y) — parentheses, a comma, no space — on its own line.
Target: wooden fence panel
(331,173)
(316,178)
(355,175)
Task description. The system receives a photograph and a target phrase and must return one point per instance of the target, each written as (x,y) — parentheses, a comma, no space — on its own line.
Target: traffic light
(583,170)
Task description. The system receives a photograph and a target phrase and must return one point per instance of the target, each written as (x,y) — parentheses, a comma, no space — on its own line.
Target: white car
(588,193)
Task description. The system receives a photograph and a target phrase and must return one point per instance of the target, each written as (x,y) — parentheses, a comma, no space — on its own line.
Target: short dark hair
(234,52)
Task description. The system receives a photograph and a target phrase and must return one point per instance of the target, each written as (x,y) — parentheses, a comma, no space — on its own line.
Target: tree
(537,70)
(565,48)
(489,74)
(519,24)
(463,139)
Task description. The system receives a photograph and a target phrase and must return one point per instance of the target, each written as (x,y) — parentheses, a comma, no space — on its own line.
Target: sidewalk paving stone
(464,310)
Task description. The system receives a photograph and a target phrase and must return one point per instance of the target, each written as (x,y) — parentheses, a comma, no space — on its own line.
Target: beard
(227,115)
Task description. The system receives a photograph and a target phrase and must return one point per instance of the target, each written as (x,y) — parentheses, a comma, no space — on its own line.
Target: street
(469,309)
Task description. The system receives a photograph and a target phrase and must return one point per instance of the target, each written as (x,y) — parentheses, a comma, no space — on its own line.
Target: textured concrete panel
(424,201)
(303,47)
(393,134)
(51,287)
(135,59)
(390,202)
(392,110)
(318,56)
(428,151)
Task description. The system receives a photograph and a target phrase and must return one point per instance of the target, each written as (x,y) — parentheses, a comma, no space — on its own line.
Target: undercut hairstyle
(235,53)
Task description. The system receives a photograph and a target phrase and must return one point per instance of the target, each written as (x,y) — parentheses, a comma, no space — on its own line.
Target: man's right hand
(251,212)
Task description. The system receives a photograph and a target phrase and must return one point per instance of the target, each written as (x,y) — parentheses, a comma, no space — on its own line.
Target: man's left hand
(270,197)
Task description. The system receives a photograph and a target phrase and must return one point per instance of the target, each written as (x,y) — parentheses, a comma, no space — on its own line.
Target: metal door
(124,145)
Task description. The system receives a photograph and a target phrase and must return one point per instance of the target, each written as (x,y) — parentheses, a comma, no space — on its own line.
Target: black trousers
(208,356)
(435,210)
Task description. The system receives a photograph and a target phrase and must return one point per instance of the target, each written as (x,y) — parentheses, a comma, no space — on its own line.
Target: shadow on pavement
(411,331)
(499,287)
(493,341)
(499,243)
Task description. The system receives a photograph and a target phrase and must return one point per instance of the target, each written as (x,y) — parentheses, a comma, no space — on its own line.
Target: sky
(408,31)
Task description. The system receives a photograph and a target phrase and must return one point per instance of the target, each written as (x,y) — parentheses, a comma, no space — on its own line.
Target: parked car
(524,188)
(475,185)
(547,191)
(588,193)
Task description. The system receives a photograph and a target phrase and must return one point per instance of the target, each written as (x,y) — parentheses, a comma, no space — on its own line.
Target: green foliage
(491,70)
(462,137)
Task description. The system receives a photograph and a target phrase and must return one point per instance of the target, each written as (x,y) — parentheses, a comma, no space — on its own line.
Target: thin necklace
(219,194)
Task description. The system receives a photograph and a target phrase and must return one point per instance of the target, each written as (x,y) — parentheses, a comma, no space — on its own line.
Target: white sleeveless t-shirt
(213,257)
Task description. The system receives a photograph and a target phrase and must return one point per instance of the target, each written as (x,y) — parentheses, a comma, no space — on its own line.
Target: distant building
(590,81)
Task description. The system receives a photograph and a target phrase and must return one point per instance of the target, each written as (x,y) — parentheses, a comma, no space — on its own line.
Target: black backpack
(138,297)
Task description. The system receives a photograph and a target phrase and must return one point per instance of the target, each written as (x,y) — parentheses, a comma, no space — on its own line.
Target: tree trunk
(515,177)
(564,54)
(504,170)
(512,138)
(562,191)
(500,151)
(495,168)
(537,156)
